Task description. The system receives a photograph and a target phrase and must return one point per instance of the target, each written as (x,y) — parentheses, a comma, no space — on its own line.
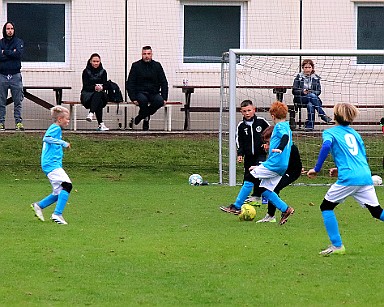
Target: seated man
(147,87)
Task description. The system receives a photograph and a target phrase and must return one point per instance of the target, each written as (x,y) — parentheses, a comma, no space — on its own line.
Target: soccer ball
(377,180)
(248,213)
(195,179)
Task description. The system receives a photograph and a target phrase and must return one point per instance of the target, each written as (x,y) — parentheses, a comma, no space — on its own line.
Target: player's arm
(324,151)
(52,140)
(283,142)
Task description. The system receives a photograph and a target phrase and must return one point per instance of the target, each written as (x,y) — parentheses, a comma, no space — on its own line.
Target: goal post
(343,75)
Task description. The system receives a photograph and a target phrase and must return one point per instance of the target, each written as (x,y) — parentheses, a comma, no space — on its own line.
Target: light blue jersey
(278,162)
(348,152)
(52,152)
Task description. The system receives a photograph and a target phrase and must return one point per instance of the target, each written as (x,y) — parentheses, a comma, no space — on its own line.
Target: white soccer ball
(195,179)
(377,180)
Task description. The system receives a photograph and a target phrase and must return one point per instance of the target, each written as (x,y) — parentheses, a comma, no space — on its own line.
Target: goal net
(264,76)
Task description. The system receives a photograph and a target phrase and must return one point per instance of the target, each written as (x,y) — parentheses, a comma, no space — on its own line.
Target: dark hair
(5,26)
(93,55)
(310,62)
(246,103)
(147,48)
(267,133)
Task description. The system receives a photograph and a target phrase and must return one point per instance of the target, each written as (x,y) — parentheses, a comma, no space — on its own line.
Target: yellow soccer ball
(248,213)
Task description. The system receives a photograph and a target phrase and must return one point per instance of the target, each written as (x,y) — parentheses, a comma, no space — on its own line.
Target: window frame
(359,4)
(67,19)
(243,34)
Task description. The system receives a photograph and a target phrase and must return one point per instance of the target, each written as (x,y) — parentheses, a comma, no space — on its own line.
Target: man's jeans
(15,84)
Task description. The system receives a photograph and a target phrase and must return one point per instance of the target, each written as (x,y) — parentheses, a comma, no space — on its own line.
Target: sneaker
(102,127)
(89,117)
(231,209)
(2,127)
(19,127)
(267,219)
(253,201)
(286,215)
(58,219)
(38,212)
(326,119)
(130,125)
(333,250)
(146,124)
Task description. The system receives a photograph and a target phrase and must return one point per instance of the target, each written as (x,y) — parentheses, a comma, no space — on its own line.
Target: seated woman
(93,95)
(306,90)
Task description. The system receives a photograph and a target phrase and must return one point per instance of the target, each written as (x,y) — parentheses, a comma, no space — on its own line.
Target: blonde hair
(58,111)
(345,113)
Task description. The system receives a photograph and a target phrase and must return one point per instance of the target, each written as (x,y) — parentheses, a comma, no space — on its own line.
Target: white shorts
(269,179)
(56,178)
(364,194)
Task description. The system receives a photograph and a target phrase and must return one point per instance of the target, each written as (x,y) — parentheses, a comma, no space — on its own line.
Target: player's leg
(3,99)
(245,190)
(62,187)
(366,196)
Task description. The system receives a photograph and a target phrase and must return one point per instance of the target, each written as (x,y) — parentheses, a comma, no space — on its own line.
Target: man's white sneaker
(267,219)
(38,212)
(102,127)
(58,219)
(89,117)
(333,250)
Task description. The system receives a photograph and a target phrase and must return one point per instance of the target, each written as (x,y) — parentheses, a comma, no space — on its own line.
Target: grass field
(138,234)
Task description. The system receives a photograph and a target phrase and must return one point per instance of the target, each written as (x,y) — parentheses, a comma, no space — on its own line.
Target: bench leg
(74,108)
(167,118)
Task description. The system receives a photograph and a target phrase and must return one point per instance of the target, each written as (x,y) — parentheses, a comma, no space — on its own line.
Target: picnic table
(45,104)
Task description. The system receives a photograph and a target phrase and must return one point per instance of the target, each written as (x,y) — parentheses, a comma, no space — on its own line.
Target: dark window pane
(42,28)
(209,31)
(370,33)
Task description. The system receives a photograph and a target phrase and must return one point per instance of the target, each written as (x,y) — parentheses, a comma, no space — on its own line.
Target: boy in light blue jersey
(270,171)
(52,165)
(353,173)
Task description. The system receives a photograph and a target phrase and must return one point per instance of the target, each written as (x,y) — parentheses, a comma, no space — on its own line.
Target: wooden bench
(167,112)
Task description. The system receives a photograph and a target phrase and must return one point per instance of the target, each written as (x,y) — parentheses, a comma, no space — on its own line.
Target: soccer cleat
(231,209)
(58,219)
(89,117)
(2,127)
(253,200)
(333,250)
(326,119)
(286,215)
(267,219)
(19,127)
(38,212)
(102,127)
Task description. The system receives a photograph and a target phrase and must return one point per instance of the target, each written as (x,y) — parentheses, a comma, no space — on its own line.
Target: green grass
(140,235)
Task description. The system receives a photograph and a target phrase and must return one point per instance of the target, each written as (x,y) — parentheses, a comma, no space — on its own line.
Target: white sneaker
(267,218)
(89,117)
(102,127)
(253,200)
(58,219)
(38,211)
(333,250)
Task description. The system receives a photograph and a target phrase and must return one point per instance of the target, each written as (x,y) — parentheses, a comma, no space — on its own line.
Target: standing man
(147,87)
(10,76)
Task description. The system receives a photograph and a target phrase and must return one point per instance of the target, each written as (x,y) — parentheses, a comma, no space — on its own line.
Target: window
(370,32)
(210,30)
(44,34)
